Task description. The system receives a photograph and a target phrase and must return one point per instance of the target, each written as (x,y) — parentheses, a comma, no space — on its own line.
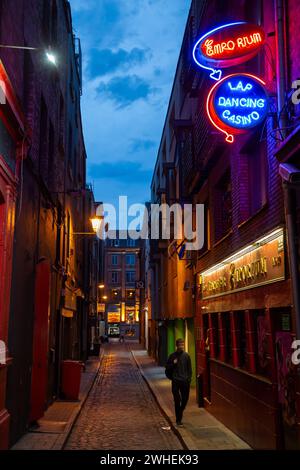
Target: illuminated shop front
(244,318)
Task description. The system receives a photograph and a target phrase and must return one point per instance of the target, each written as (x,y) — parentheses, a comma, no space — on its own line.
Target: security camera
(289,173)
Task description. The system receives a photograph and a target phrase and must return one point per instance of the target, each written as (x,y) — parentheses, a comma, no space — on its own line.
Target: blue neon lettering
(240,120)
(242,102)
(240,86)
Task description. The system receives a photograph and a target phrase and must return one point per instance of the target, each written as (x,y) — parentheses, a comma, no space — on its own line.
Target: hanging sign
(236,104)
(228,45)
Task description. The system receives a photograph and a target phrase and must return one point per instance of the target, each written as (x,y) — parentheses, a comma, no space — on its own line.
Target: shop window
(214,336)
(242,345)
(261,338)
(228,339)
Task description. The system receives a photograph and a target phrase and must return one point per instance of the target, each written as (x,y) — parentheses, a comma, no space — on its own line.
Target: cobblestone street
(120,412)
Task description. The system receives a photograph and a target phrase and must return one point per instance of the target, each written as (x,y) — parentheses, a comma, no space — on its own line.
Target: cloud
(138,145)
(124,90)
(122,171)
(130,50)
(107,61)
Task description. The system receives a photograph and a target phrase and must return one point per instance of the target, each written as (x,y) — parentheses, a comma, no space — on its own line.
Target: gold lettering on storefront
(218,284)
(246,272)
(261,265)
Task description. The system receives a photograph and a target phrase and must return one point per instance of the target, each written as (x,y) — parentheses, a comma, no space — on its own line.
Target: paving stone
(120,412)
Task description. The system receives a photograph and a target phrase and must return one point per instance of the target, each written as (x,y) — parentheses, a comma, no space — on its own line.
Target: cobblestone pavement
(120,412)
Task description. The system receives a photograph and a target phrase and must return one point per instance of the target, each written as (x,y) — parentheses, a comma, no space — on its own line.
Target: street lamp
(104,297)
(101,286)
(96,223)
(48,53)
(51,58)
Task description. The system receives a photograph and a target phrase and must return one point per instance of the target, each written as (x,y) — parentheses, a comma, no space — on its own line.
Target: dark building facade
(242,291)
(44,160)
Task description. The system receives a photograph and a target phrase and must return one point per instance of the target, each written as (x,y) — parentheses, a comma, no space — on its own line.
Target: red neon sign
(241,44)
(228,45)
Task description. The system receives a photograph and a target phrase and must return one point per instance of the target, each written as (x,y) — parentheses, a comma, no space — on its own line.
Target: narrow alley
(120,412)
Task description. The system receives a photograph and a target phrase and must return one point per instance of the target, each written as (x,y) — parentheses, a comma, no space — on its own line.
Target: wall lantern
(237,104)
(96,223)
(228,45)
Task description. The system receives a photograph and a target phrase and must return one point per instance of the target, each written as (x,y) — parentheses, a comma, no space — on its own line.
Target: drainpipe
(280,62)
(290,215)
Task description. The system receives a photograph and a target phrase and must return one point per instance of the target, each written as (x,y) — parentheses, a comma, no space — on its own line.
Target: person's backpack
(170,368)
(169,371)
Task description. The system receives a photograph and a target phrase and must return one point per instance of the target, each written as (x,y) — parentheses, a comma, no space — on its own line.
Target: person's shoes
(179,424)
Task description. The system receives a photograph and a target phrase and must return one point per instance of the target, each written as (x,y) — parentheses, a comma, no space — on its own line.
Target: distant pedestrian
(121,339)
(179,370)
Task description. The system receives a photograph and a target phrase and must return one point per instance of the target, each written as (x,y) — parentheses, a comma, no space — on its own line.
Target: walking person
(179,370)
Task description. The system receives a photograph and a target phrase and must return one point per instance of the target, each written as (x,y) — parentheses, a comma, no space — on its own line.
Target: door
(39,373)
(286,376)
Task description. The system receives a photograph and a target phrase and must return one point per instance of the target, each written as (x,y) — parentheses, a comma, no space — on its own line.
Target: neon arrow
(229,137)
(215,74)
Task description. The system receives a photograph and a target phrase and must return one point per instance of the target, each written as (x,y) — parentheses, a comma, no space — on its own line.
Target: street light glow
(101,286)
(96,222)
(51,58)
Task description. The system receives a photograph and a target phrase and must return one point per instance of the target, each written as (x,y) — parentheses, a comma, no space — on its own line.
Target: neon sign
(236,104)
(228,45)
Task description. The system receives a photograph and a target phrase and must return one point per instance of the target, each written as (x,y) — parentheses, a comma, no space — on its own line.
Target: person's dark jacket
(182,369)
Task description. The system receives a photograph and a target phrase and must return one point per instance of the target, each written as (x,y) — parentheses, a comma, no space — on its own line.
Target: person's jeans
(181,391)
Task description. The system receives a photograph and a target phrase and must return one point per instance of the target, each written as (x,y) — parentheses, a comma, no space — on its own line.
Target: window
(257,178)
(114,277)
(261,335)
(228,342)
(130,276)
(114,260)
(242,343)
(130,242)
(130,260)
(130,314)
(223,206)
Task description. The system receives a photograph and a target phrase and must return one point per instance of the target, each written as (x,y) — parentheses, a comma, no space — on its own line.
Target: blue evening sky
(130,51)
